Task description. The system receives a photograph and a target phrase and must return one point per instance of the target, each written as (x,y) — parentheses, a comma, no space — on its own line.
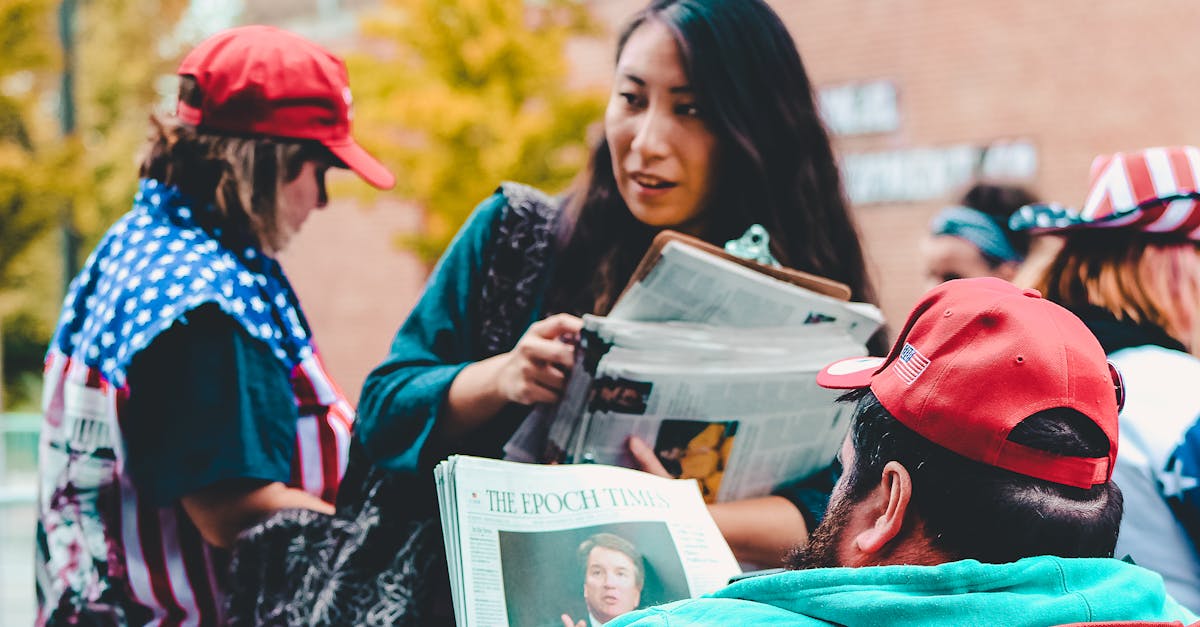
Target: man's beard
(822,548)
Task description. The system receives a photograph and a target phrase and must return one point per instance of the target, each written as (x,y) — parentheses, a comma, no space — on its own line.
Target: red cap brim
(363,164)
(849,374)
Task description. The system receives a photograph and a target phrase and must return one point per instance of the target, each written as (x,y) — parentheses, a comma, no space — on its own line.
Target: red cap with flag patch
(1156,190)
(260,80)
(978,356)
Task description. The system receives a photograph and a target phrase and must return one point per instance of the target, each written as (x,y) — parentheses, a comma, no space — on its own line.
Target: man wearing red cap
(976,485)
(184,397)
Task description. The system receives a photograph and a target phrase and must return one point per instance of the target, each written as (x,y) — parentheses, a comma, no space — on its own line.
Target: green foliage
(26,193)
(119,62)
(87,178)
(459,95)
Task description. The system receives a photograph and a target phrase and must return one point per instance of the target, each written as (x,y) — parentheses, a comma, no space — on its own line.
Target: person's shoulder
(1153,357)
(1157,377)
(521,194)
(512,206)
(523,207)
(516,216)
(713,611)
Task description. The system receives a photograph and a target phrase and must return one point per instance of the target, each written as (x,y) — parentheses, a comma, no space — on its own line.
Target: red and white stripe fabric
(1155,190)
(104,539)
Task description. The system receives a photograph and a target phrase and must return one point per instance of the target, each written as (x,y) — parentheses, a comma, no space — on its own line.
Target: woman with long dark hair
(711,127)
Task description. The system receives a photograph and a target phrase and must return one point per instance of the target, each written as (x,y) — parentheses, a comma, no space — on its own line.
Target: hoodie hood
(1033,591)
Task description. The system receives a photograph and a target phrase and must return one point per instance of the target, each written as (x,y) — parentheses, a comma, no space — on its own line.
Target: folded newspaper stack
(713,363)
(535,545)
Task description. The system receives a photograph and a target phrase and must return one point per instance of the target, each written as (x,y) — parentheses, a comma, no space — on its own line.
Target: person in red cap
(976,487)
(184,397)
(1130,268)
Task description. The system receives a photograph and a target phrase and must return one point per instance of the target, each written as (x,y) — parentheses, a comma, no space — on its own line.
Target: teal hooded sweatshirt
(1035,591)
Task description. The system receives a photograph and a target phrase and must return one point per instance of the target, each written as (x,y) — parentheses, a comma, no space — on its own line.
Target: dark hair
(775,165)
(239,176)
(972,510)
(999,202)
(613,542)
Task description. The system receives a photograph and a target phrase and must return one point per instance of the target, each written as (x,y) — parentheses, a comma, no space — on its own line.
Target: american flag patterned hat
(979,356)
(1155,190)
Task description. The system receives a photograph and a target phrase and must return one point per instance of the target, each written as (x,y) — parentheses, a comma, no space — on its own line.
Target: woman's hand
(536,369)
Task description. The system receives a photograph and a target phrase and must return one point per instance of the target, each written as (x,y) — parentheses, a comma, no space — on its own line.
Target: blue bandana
(156,264)
(978,228)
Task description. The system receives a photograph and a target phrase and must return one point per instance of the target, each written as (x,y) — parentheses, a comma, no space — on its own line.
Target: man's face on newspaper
(610,584)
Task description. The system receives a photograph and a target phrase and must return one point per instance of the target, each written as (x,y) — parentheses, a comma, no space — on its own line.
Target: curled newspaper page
(713,365)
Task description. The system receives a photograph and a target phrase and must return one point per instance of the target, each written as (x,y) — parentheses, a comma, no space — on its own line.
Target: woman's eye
(688,109)
(630,98)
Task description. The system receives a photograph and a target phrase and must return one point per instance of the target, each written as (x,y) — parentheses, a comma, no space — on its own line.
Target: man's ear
(890,504)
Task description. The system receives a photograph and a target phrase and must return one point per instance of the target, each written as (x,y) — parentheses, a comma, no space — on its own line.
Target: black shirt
(207,403)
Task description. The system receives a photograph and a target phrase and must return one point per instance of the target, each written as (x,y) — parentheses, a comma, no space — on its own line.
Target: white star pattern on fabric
(154,265)
(1175,483)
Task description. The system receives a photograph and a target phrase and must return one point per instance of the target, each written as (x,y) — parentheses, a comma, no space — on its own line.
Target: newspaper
(690,285)
(714,366)
(542,546)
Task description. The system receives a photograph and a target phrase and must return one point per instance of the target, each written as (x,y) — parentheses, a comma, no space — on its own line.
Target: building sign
(918,174)
(860,108)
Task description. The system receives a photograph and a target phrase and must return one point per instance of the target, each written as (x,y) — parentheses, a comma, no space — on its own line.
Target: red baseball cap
(260,80)
(978,356)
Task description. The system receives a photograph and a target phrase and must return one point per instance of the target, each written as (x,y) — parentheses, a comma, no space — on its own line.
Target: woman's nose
(651,138)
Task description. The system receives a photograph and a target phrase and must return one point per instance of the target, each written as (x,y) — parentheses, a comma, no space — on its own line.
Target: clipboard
(818,284)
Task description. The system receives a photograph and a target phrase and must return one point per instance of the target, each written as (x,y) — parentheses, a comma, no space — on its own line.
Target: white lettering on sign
(917,174)
(860,108)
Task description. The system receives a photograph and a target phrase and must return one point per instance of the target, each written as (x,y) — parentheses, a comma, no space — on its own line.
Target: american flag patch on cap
(910,364)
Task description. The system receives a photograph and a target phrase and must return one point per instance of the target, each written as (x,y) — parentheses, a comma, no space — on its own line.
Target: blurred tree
(463,94)
(27,211)
(26,38)
(123,59)
(87,178)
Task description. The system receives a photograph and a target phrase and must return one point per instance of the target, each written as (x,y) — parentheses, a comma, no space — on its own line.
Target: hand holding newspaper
(712,362)
(544,546)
